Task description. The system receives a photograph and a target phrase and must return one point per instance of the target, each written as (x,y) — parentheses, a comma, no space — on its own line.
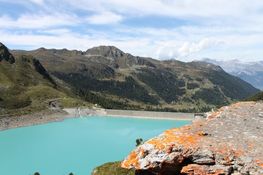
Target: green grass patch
(112,168)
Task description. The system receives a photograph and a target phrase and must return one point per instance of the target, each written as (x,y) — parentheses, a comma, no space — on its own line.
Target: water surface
(74,145)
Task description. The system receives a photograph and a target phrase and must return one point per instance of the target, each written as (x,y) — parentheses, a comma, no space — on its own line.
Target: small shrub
(139,141)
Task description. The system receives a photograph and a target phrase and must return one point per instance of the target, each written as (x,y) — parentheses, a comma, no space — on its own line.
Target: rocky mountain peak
(41,49)
(105,51)
(5,54)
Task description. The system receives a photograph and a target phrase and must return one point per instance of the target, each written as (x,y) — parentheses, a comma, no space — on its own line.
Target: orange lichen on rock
(195,169)
(259,163)
(229,140)
(131,160)
(172,136)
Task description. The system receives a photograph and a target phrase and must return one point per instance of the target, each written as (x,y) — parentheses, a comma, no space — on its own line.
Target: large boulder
(229,141)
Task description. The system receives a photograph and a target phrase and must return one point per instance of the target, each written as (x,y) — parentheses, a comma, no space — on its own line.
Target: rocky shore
(229,141)
(55,115)
(42,117)
(46,116)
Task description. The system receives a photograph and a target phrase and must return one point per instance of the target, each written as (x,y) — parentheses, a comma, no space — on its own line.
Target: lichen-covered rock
(229,141)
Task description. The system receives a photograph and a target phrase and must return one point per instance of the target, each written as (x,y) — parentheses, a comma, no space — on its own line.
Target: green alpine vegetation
(112,168)
(107,76)
(114,79)
(257,97)
(26,86)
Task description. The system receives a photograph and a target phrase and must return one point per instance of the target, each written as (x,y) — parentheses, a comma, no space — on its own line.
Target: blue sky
(162,29)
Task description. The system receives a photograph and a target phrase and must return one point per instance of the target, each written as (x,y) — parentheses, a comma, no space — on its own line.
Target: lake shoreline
(50,116)
(150,114)
(43,117)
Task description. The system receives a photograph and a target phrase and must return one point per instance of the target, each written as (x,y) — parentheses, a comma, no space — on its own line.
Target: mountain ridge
(106,75)
(251,72)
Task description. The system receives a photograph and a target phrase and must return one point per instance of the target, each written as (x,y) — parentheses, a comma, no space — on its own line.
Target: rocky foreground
(229,141)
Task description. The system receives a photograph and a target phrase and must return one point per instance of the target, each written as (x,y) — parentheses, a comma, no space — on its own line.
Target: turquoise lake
(74,145)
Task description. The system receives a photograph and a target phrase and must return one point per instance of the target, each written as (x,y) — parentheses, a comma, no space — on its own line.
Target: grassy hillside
(114,79)
(26,86)
(257,97)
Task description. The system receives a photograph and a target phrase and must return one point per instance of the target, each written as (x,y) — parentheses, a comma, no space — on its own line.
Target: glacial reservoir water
(74,145)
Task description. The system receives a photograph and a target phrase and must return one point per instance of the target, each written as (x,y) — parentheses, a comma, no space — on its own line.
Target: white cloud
(27,3)
(192,47)
(70,40)
(223,48)
(173,8)
(35,21)
(39,2)
(217,29)
(104,18)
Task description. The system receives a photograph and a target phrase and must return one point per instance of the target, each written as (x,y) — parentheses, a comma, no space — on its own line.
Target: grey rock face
(228,142)
(5,54)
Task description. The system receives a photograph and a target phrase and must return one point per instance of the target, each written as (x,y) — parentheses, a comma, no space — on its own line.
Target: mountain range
(111,78)
(251,72)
